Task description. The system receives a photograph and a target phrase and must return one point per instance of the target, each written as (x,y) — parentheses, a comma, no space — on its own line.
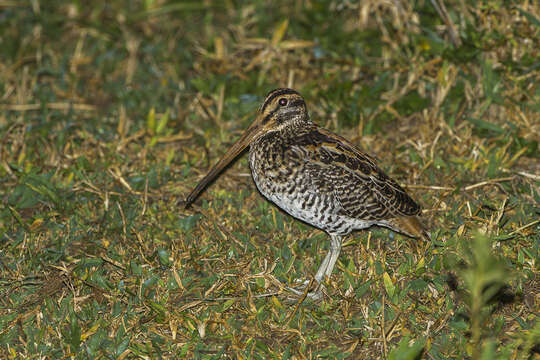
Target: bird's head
(281,108)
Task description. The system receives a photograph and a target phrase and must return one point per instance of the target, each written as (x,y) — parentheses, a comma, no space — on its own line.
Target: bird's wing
(336,167)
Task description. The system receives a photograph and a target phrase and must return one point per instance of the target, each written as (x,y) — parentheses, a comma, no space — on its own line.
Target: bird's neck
(281,137)
(295,128)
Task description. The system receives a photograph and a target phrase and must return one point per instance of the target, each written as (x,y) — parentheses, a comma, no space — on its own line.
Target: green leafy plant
(484,276)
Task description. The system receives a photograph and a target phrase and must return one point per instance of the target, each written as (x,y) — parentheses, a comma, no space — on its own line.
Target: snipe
(318,177)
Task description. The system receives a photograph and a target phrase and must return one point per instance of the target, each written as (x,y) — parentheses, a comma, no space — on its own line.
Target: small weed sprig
(484,276)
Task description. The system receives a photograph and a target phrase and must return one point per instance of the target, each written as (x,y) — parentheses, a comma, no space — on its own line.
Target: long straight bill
(229,156)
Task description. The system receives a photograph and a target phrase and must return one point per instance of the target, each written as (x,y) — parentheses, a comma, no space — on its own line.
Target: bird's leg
(319,276)
(335,249)
(325,269)
(327,265)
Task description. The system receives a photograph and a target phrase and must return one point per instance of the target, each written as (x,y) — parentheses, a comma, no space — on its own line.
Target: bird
(318,177)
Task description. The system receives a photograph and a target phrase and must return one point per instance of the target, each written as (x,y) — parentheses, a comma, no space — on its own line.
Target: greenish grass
(111,112)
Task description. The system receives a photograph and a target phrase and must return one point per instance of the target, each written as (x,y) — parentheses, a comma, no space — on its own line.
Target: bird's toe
(308,288)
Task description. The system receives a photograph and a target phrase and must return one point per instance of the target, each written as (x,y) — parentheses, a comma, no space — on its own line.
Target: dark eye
(282,102)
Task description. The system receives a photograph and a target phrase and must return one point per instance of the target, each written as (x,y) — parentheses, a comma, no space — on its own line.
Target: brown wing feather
(363,190)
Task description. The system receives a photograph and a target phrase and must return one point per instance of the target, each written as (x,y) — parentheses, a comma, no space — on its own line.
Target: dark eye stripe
(269,116)
(274,94)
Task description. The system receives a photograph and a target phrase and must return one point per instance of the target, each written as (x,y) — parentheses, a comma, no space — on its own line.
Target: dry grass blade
(52,106)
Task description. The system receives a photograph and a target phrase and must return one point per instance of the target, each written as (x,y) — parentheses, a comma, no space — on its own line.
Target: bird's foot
(308,288)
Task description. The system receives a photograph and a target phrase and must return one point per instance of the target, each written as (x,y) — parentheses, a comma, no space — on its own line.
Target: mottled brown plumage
(318,177)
